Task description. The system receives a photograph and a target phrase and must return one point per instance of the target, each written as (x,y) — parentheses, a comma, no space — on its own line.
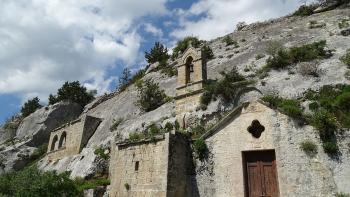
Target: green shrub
(341,194)
(135,136)
(291,107)
(153,130)
(313,106)
(280,61)
(346,58)
(330,148)
(282,58)
(39,152)
(229,41)
(344,23)
(207,52)
(168,127)
(273,99)
(308,52)
(226,88)
(159,53)
(32,182)
(325,123)
(101,153)
(30,106)
(73,92)
(309,147)
(343,101)
(182,45)
(197,131)
(200,148)
(176,125)
(305,10)
(150,96)
(116,123)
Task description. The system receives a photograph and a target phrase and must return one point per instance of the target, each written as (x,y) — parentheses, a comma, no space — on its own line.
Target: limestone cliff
(252,41)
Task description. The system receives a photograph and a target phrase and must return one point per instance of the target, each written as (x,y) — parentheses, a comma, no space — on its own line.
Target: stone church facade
(254,151)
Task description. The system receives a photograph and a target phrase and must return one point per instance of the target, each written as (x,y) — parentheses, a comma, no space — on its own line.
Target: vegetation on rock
(309,147)
(150,96)
(40,184)
(229,41)
(159,53)
(73,92)
(200,148)
(305,10)
(290,107)
(225,88)
(30,106)
(182,45)
(282,58)
(346,58)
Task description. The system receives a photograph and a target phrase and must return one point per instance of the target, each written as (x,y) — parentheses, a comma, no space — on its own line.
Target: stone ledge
(142,141)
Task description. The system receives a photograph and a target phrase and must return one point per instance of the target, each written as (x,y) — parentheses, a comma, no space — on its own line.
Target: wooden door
(261,174)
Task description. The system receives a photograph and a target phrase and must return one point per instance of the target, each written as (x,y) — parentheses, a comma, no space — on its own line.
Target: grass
(344,23)
(309,147)
(101,153)
(341,194)
(282,58)
(200,148)
(346,58)
(116,123)
(290,107)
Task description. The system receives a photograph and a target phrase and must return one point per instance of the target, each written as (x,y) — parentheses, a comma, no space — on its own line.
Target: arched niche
(189,69)
(62,141)
(53,143)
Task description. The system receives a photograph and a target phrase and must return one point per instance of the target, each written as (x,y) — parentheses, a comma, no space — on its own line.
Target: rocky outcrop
(36,128)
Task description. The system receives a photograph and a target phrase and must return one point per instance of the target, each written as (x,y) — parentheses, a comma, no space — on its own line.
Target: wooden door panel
(269,180)
(261,177)
(254,180)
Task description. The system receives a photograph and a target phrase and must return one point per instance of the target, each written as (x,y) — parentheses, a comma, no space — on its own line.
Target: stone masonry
(70,138)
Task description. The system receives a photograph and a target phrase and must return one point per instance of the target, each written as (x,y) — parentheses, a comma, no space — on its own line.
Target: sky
(44,43)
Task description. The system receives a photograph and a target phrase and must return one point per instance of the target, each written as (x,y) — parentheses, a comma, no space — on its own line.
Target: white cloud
(219,17)
(44,43)
(153,30)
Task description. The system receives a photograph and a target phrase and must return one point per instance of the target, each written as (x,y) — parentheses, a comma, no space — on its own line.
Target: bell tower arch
(191,75)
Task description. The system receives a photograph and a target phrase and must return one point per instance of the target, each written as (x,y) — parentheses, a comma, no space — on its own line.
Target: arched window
(54,142)
(62,142)
(189,69)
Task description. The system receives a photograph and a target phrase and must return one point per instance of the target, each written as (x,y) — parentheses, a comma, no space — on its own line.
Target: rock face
(36,127)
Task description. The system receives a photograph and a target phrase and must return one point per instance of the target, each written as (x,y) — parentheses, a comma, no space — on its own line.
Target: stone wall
(298,174)
(180,167)
(186,105)
(165,167)
(77,134)
(151,177)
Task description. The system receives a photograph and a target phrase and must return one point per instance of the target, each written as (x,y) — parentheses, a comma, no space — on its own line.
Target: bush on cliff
(150,96)
(73,92)
(30,106)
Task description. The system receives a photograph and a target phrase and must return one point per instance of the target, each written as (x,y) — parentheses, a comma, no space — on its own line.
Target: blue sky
(44,43)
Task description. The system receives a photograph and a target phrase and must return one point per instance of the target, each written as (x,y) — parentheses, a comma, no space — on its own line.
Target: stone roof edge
(142,141)
(229,117)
